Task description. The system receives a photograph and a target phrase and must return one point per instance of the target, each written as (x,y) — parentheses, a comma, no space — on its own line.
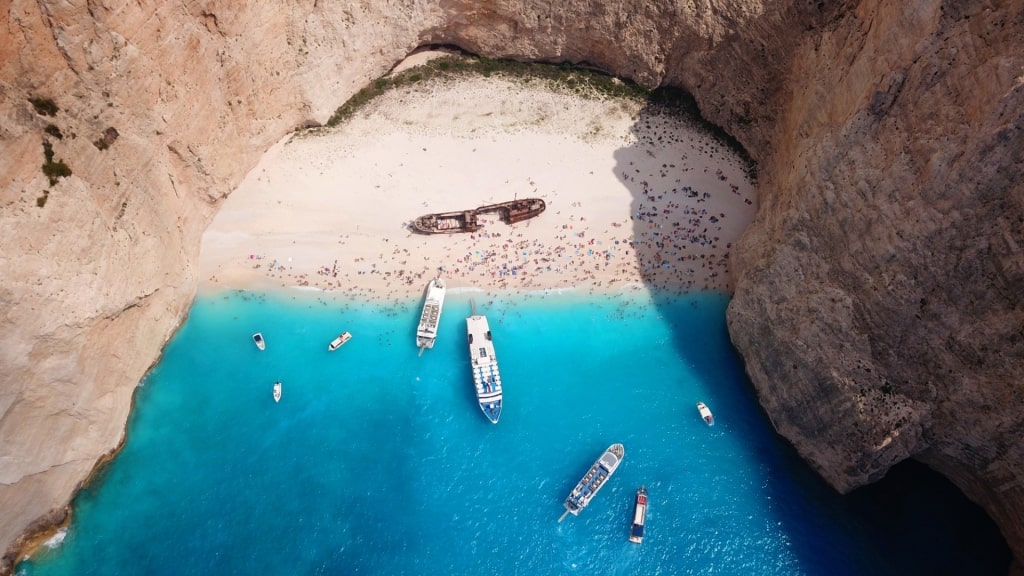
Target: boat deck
(636,532)
(430,317)
(594,479)
(486,377)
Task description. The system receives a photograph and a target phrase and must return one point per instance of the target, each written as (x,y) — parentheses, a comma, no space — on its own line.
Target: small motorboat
(277,391)
(339,341)
(257,338)
(705,413)
(636,533)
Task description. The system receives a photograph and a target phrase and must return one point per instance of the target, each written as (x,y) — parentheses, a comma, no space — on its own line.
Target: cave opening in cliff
(918,508)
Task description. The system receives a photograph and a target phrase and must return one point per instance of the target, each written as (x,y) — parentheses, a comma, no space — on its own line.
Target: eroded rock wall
(879,290)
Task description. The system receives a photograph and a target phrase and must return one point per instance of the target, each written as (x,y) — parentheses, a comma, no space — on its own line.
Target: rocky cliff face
(883,283)
(879,293)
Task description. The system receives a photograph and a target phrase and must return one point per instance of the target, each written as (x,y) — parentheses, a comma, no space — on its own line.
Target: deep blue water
(377,461)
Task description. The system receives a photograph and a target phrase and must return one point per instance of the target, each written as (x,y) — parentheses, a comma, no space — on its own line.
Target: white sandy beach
(635,200)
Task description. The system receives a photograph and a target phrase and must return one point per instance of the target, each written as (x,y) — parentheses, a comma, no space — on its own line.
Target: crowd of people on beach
(673,239)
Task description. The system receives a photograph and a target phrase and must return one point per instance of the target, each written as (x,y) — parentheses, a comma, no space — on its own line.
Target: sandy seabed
(637,199)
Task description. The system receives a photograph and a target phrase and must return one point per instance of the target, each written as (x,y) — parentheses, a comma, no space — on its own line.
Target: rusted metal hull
(466,220)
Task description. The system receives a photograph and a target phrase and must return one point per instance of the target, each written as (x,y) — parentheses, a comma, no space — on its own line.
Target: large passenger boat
(430,318)
(486,378)
(593,480)
(466,220)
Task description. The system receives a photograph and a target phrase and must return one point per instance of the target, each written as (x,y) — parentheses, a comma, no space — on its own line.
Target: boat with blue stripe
(486,378)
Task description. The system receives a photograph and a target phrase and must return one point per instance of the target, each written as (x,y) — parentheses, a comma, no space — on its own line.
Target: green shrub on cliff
(583,81)
(54,131)
(44,106)
(53,170)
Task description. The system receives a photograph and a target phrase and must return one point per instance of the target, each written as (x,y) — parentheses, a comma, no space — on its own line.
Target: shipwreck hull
(466,220)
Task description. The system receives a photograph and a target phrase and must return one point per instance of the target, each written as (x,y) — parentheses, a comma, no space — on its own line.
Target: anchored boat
(339,341)
(257,339)
(636,533)
(705,413)
(593,480)
(466,220)
(486,378)
(277,391)
(430,318)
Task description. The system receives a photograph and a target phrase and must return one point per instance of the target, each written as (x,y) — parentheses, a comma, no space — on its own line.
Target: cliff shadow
(694,193)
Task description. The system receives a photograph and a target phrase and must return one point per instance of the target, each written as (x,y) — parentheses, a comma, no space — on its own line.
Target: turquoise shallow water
(377,461)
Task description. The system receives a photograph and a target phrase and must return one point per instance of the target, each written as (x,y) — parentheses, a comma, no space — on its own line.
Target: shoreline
(294,293)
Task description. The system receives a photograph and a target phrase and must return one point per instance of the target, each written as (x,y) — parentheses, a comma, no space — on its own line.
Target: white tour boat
(593,480)
(486,378)
(430,318)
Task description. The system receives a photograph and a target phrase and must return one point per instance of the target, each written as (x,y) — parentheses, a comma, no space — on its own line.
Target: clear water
(377,461)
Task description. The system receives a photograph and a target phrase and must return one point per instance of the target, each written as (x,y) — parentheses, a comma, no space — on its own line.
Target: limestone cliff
(882,285)
(879,293)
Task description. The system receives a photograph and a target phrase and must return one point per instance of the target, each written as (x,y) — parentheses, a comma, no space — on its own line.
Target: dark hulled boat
(466,220)
(447,223)
(636,532)
(516,210)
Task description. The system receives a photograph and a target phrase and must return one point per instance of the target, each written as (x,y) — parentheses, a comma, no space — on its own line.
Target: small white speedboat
(705,413)
(277,391)
(339,341)
(257,338)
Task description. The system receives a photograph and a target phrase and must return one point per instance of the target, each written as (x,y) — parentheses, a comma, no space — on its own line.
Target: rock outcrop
(880,296)
(879,292)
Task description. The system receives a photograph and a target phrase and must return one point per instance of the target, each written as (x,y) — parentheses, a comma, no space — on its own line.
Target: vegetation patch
(44,106)
(563,77)
(53,170)
(54,131)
